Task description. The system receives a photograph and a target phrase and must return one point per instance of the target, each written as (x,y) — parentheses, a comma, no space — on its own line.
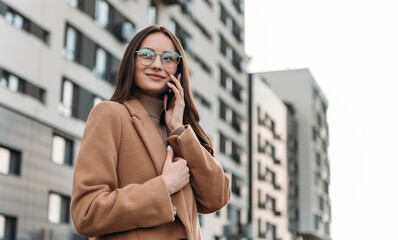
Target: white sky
(351,48)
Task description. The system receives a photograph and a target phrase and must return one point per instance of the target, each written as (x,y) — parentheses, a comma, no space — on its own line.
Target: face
(153,78)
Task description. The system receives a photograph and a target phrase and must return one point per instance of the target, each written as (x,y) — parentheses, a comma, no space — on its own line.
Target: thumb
(170,154)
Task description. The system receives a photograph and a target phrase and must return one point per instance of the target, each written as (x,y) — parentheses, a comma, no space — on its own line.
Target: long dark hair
(126,87)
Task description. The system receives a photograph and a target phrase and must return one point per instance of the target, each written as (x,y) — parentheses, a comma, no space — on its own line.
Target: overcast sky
(351,48)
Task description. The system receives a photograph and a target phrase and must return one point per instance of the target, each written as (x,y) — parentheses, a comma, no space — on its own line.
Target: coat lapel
(157,151)
(147,132)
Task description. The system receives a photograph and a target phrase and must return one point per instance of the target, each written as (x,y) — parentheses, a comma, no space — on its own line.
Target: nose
(157,63)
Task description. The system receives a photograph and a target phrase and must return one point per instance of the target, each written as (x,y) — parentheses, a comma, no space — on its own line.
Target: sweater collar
(153,105)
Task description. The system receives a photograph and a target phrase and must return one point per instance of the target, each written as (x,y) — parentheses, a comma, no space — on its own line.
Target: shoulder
(108,110)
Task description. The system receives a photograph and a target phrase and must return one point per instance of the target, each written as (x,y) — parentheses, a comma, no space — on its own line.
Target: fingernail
(168,147)
(171,75)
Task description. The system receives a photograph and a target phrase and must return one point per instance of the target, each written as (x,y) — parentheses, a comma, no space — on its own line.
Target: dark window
(75,101)
(233,215)
(10,161)
(235,152)
(58,208)
(62,150)
(271,203)
(270,176)
(206,103)
(107,17)
(261,232)
(84,51)
(236,183)
(271,231)
(223,142)
(8,227)
(223,110)
(21,22)
(261,203)
(153,13)
(17,84)
(325,187)
(238,4)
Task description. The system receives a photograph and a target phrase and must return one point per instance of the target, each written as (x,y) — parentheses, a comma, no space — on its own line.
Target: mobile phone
(170,93)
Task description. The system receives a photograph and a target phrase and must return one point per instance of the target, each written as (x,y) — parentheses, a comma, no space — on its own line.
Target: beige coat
(118,192)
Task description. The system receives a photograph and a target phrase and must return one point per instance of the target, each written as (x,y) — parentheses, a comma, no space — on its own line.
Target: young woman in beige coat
(144,172)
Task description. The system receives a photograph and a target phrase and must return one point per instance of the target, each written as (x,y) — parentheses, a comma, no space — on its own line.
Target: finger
(178,83)
(175,90)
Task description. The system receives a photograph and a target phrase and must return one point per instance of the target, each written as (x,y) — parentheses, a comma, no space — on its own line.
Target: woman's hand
(175,174)
(175,115)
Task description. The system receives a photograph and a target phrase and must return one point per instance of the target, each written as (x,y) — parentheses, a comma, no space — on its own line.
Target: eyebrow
(155,51)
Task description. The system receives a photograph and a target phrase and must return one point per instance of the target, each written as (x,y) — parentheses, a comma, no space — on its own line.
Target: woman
(144,172)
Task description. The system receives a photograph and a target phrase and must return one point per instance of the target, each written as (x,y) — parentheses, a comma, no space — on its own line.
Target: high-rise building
(299,90)
(59,58)
(269,183)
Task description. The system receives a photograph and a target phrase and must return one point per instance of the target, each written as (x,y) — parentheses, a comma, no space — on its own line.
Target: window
(81,49)
(200,217)
(17,84)
(58,208)
(10,161)
(182,35)
(101,13)
(75,101)
(100,62)
(271,231)
(70,50)
(62,150)
(261,202)
(261,231)
(233,215)
(235,152)
(230,23)
(270,176)
(16,19)
(270,149)
(236,184)
(325,186)
(198,97)
(229,84)
(317,221)
(318,159)
(8,227)
(270,203)
(320,203)
(238,4)
(223,142)
(229,53)
(153,13)
(65,108)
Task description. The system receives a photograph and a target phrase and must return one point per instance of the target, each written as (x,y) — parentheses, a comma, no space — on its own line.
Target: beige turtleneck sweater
(154,107)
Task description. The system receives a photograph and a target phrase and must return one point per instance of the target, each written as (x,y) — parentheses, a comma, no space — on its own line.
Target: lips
(155,76)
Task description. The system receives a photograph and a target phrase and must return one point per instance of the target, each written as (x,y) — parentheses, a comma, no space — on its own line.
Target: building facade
(299,90)
(269,185)
(59,59)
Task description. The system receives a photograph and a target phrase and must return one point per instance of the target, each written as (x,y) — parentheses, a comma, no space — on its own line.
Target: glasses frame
(161,57)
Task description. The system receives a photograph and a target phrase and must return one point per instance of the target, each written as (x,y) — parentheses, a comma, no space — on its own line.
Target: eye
(170,56)
(146,53)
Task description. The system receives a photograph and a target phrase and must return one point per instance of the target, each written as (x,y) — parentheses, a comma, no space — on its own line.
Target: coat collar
(148,133)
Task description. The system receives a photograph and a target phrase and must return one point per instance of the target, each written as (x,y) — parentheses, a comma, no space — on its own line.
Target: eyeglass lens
(147,57)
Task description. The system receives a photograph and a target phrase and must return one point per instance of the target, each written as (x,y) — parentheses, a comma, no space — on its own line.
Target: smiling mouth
(156,77)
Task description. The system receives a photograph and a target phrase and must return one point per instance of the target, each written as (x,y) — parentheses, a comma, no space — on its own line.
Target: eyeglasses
(147,57)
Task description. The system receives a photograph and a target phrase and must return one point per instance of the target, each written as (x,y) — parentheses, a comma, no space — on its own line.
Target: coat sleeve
(210,184)
(98,205)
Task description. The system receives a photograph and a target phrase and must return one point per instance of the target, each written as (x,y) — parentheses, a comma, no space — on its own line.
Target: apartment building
(59,59)
(269,182)
(308,118)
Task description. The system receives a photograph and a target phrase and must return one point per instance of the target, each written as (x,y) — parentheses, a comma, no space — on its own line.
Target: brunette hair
(126,87)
